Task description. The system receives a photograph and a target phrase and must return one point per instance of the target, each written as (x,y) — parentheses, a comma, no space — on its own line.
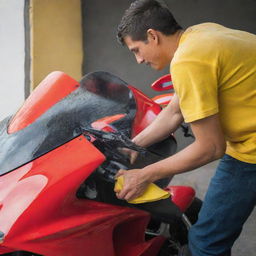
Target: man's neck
(171,43)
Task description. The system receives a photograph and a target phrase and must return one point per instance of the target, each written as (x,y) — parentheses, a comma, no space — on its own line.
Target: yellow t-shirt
(214,71)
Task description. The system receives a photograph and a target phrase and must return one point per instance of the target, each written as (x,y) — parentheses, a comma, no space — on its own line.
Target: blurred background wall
(100,20)
(79,36)
(12,56)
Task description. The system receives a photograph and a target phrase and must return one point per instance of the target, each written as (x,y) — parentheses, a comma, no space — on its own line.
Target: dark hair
(143,15)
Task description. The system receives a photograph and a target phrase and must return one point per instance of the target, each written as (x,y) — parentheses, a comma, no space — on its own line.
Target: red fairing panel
(163,100)
(182,196)
(41,213)
(52,89)
(147,110)
(104,124)
(164,83)
(4,250)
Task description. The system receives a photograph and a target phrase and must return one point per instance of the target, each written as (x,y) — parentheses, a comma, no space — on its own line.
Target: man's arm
(165,123)
(209,145)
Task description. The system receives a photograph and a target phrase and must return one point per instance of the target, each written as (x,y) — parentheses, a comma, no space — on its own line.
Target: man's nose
(139,59)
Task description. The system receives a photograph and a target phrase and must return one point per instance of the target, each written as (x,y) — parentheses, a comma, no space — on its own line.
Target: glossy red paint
(52,89)
(4,250)
(163,83)
(42,214)
(147,110)
(182,196)
(39,210)
(163,100)
(104,123)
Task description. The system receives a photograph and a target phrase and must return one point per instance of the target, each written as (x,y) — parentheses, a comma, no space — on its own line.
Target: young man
(214,76)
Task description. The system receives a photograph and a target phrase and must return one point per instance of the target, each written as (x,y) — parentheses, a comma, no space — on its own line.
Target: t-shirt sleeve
(197,88)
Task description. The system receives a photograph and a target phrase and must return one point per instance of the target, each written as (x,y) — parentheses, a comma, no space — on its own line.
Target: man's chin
(153,66)
(158,68)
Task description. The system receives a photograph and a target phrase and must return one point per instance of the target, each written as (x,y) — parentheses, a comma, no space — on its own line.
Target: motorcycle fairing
(163,100)
(62,216)
(55,222)
(164,83)
(182,196)
(52,89)
(104,124)
(148,110)
(100,94)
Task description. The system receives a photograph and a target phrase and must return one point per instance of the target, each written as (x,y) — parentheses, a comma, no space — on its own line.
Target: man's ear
(152,35)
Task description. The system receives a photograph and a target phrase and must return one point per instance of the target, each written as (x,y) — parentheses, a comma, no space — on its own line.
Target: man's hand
(135,183)
(132,154)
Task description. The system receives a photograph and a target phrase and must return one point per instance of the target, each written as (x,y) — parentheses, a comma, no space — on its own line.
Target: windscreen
(99,95)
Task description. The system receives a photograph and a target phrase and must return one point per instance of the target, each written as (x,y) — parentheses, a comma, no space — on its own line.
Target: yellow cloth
(214,71)
(151,194)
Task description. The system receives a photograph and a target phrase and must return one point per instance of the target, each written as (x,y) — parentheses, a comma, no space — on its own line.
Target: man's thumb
(120,173)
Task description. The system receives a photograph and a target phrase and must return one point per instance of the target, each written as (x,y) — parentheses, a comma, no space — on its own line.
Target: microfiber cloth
(151,194)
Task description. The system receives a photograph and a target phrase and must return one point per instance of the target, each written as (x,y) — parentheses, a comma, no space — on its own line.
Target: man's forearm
(165,123)
(193,156)
(209,145)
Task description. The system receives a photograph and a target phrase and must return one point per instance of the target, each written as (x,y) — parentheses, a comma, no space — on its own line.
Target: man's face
(148,52)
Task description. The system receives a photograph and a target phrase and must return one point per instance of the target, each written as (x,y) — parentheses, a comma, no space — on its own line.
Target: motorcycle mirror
(164,83)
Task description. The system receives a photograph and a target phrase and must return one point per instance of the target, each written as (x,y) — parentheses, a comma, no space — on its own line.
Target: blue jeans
(230,199)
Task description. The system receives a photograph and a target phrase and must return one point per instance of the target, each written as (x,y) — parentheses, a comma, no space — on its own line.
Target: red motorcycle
(58,159)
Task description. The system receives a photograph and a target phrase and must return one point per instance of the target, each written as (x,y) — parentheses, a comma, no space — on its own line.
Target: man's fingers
(124,191)
(122,194)
(133,157)
(130,196)
(127,194)
(132,154)
(120,173)
(124,150)
(134,184)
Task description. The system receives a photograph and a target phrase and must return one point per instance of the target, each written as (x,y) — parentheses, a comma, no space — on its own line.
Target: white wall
(12,56)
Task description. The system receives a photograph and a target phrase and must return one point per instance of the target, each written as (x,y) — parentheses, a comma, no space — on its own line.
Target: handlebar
(116,138)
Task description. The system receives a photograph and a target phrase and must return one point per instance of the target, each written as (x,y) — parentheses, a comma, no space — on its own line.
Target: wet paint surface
(100,94)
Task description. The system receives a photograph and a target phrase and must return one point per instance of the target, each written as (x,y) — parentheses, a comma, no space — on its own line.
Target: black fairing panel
(100,94)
